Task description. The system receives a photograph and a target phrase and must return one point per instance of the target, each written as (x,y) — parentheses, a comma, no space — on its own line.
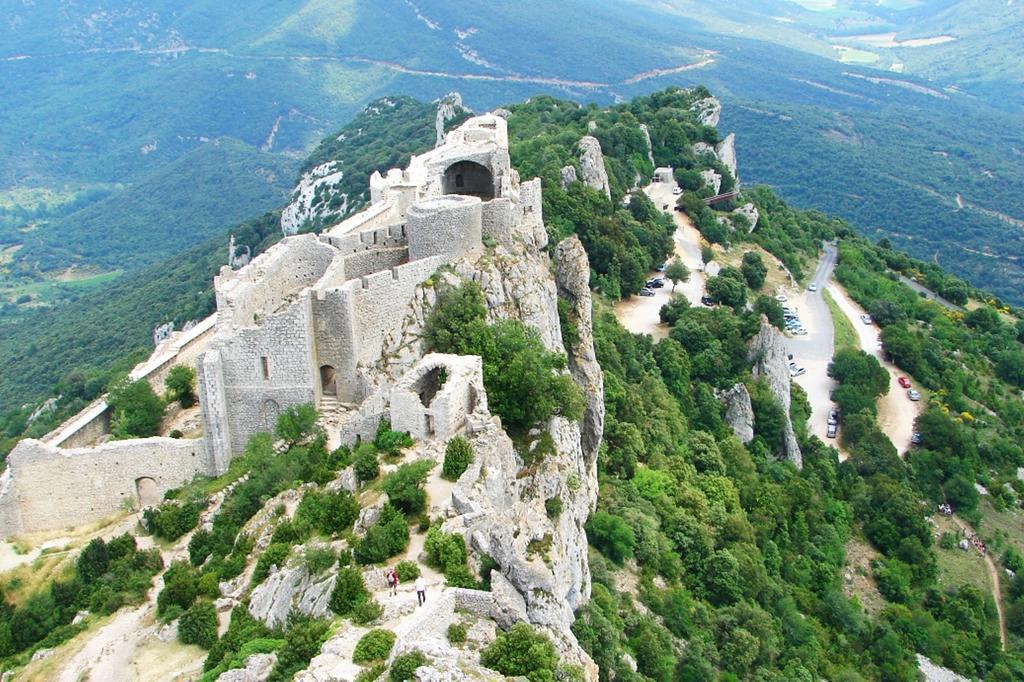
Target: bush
(522,652)
(198,625)
(371,674)
(302,641)
(553,507)
(181,586)
(444,550)
(366,612)
(390,442)
(375,645)
(404,667)
(349,591)
(456,633)
(170,521)
(296,423)
(384,539)
(331,513)
(274,555)
(407,571)
(754,270)
(319,559)
(136,411)
(404,486)
(457,457)
(365,463)
(181,385)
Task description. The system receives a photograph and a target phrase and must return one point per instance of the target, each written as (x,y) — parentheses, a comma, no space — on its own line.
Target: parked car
(832,429)
(913,395)
(707,300)
(797,371)
(833,417)
(677,190)
(781,298)
(916,438)
(812,287)
(903,382)
(800,331)
(662,267)
(866,319)
(646,292)
(655,283)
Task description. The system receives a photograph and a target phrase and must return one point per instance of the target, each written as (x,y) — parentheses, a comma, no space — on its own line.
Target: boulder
(288,588)
(257,669)
(568,176)
(767,351)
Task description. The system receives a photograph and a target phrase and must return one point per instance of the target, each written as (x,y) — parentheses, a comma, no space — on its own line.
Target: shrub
(200,546)
(404,667)
(274,555)
(611,536)
(404,486)
(328,512)
(319,559)
(553,507)
(198,625)
(456,633)
(349,591)
(384,539)
(296,423)
(181,586)
(390,442)
(457,457)
(365,463)
(407,571)
(754,270)
(444,550)
(521,652)
(170,521)
(181,385)
(375,645)
(367,611)
(372,673)
(302,641)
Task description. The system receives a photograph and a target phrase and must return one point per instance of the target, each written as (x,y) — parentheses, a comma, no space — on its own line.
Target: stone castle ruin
(315,319)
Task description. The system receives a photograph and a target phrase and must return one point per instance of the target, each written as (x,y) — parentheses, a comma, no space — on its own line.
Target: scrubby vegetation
(458,455)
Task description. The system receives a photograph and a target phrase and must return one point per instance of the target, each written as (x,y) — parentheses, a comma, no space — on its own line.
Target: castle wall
(282,345)
(451,225)
(52,487)
(336,340)
(269,282)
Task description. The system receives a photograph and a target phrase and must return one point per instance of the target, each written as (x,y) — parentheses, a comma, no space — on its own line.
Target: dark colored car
(707,300)
(916,438)
(655,283)
(833,417)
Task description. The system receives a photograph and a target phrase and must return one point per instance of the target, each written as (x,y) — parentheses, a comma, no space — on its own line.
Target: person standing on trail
(421,590)
(393,581)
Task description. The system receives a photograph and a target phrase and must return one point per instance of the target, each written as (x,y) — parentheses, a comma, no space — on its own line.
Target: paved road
(814,351)
(930,294)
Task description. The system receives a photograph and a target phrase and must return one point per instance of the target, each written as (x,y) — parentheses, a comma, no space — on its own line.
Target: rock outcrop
(647,138)
(448,108)
(289,588)
(752,215)
(708,110)
(712,179)
(726,153)
(592,170)
(257,669)
(768,354)
(316,198)
(568,176)
(739,413)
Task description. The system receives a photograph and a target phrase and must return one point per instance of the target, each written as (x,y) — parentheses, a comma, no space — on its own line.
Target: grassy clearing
(845,335)
(859,556)
(1001,529)
(956,566)
(778,277)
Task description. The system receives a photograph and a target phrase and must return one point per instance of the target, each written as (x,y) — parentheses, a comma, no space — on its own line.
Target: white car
(677,190)
(866,319)
(781,298)
(800,331)
(797,371)
(812,287)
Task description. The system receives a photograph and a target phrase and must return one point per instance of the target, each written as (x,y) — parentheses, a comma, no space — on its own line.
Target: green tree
(727,290)
(677,272)
(458,455)
(181,385)
(611,535)
(136,411)
(296,423)
(404,486)
(349,591)
(198,625)
(754,270)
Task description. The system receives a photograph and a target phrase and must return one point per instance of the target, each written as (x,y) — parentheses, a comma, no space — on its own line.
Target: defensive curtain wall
(304,322)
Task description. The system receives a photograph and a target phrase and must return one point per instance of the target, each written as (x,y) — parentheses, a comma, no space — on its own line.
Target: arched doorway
(147,492)
(469,178)
(328,385)
(268,415)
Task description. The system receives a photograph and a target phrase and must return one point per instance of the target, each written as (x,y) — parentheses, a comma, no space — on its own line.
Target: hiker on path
(421,590)
(393,581)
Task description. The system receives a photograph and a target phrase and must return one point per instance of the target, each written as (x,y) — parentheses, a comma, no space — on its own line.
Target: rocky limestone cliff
(448,107)
(592,170)
(315,197)
(568,176)
(726,153)
(647,138)
(712,179)
(768,354)
(708,110)
(739,413)
(750,212)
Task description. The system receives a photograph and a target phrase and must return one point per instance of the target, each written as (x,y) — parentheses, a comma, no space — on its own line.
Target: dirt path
(993,576)
(896,412)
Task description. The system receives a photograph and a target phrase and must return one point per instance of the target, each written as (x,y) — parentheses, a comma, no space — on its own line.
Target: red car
(904,382)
